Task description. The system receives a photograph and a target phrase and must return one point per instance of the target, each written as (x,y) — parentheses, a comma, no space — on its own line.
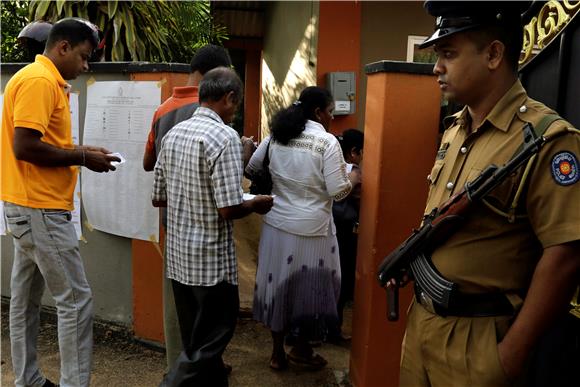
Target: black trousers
(207,319)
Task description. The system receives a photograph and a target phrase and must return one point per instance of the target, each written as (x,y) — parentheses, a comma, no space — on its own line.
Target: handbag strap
(266,161)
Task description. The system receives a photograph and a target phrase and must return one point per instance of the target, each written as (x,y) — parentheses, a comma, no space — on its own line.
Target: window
(414,54)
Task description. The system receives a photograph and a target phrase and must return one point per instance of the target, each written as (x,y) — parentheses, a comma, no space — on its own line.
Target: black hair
(351,139)
(208,58)
(218,82)
(290,122)
(75,31)
(511,35)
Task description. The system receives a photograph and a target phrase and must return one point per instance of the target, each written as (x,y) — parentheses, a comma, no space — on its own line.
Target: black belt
(467,305)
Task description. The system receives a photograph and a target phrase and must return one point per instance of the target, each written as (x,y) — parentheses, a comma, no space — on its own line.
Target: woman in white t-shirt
(298,277)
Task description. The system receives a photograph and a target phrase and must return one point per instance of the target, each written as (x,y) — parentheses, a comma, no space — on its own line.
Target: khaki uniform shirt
(489,253)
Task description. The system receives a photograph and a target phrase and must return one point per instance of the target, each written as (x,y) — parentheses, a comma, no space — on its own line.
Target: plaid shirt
(199,169)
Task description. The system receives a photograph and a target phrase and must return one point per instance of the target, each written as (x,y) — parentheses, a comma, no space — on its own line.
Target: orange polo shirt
(36,98)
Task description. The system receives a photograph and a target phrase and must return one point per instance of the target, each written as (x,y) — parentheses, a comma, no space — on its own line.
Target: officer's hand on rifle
(392,286)
(400,284)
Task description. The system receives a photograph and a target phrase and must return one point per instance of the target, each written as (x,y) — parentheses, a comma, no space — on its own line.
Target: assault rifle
(442,222)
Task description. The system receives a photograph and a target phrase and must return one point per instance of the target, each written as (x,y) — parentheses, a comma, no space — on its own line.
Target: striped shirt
(199,169)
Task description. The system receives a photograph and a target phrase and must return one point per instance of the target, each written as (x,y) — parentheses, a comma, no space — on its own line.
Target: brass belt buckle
(426,302)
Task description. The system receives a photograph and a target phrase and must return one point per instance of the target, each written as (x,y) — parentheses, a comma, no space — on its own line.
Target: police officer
(516,260)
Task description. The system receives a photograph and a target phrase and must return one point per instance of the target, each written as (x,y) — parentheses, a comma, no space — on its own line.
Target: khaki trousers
(452,351)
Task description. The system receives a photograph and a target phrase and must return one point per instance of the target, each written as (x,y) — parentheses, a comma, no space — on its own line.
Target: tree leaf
(144,30)
(59,5)
(82,12)
(130,35)
(68,9)
(117,24)
(112,8)
(41,10)
(101,21)
(118,53)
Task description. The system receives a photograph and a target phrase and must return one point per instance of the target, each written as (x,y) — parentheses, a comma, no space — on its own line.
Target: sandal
(312,362)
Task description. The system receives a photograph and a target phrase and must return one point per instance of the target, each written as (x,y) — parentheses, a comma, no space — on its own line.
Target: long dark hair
(351,139)
(289,123)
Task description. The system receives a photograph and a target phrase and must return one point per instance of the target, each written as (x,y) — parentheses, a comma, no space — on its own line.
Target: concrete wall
(289,55)
(385,27)
(292,43)
(339,50)
(107,258)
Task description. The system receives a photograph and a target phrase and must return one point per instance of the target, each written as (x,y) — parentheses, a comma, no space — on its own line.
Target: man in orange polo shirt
(38,175)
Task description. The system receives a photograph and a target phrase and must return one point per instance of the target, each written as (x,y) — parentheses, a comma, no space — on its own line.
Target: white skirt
(297,282)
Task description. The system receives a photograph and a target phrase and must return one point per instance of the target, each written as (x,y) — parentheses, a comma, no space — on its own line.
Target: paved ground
(120,361)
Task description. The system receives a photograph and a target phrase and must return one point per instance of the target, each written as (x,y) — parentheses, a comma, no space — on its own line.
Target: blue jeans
(46,252)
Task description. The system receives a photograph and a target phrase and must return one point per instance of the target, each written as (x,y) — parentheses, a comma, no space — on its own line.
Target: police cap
(457,16)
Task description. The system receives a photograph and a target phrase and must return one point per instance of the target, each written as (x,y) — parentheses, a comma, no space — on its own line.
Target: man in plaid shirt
(198,176)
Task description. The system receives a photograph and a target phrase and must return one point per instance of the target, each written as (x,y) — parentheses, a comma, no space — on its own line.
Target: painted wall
(289,55)
(126,275)
(339,49)
(384,29)
(106,257)
(303,41)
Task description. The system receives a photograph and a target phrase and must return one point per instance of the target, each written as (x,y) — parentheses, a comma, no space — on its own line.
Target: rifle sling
(539,130)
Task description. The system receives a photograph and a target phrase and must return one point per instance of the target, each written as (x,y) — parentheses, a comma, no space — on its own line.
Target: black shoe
(48,383)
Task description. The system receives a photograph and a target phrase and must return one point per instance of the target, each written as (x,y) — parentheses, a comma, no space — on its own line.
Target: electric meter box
(343,89)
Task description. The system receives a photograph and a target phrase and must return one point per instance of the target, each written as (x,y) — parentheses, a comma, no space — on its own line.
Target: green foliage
(154,31)
(13,19)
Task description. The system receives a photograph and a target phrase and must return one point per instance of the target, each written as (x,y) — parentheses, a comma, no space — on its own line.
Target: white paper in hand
(249,196)
(115,163)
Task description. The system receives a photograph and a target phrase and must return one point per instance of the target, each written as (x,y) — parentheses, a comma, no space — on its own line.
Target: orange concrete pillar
(401,131)
(147,258)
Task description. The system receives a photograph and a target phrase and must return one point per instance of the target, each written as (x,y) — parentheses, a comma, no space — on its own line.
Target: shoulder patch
(565,168)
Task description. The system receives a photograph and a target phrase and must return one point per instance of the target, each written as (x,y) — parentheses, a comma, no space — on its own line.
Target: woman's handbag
(262,180)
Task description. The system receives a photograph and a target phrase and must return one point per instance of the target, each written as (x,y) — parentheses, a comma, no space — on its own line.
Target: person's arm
(551,289)
(255,163)
(159,194)
(29,147)
(338,182)
(150,155)
(149,160)
(260,204)
(248,149)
